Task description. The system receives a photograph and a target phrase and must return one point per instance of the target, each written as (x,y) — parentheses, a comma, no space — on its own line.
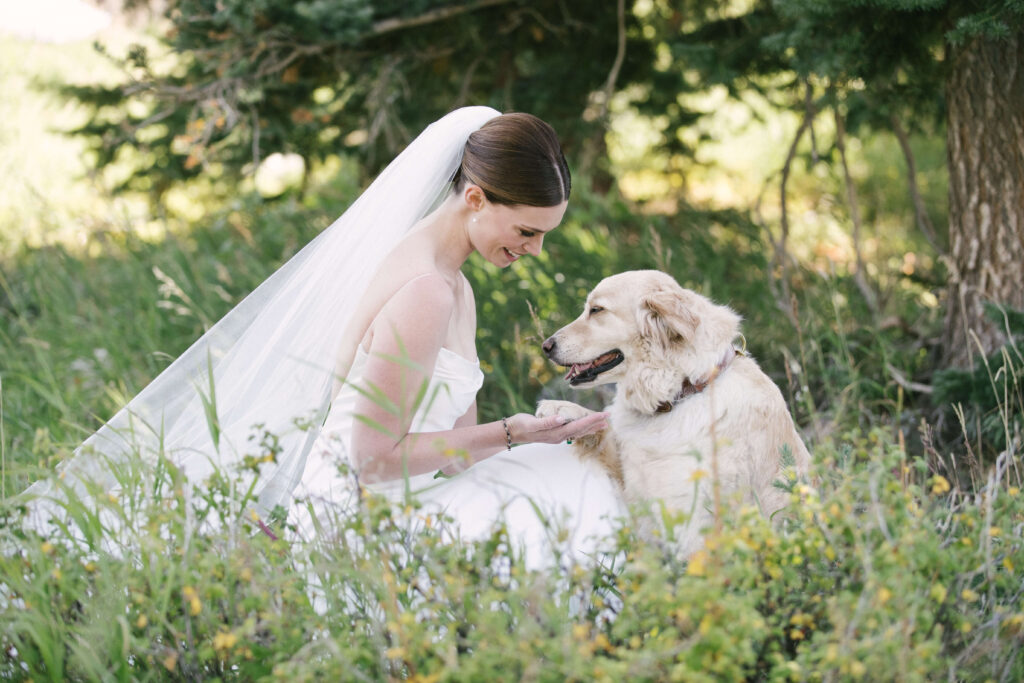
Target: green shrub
(879,569)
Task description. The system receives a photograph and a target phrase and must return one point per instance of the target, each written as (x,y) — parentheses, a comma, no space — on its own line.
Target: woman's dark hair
(515,159)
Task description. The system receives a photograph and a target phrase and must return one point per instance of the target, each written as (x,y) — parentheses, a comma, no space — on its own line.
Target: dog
(690,410)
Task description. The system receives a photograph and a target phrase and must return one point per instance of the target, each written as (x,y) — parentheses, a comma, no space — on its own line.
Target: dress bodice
(450,392)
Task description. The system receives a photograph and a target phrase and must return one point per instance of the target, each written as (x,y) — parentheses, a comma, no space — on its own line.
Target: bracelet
(508,433)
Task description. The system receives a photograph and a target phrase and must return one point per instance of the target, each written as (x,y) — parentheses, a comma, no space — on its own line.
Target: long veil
(267,366)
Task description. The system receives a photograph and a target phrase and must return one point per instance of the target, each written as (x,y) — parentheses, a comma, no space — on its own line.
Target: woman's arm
(407,338)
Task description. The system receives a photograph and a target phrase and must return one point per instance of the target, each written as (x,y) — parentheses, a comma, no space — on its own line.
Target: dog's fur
(735,428)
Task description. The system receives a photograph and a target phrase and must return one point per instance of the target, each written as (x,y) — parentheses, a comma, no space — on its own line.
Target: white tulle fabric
(270,360)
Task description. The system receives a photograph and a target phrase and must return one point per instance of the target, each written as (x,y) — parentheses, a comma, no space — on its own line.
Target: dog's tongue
(577,368)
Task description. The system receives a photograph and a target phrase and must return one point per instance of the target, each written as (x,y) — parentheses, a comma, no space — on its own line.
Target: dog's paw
(567,409)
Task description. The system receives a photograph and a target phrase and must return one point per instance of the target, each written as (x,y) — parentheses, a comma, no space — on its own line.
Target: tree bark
(985,150)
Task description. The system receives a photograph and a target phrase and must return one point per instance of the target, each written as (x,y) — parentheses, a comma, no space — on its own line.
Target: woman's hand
(554,429)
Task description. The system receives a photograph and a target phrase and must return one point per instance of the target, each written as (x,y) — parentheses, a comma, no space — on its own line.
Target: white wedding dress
(267,367)
(538,490)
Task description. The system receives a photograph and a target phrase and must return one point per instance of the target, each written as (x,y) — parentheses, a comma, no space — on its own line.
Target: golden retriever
(689,409)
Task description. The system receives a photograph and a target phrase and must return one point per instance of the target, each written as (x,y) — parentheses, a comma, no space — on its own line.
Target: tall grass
(884,564)
(878,568)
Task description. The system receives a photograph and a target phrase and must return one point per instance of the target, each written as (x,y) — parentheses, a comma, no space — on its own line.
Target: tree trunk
(985,138)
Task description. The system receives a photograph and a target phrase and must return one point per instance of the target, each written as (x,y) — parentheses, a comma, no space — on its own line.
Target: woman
(415,327)
(282,376)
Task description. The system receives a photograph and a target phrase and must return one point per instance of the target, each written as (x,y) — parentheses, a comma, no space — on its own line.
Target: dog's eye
(595,309)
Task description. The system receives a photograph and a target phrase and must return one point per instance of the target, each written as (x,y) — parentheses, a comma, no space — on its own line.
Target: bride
(359,355)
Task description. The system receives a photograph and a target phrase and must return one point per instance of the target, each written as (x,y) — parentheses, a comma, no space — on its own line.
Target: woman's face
(503,233)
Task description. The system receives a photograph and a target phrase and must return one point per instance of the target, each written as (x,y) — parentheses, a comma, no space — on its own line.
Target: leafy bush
(879,567)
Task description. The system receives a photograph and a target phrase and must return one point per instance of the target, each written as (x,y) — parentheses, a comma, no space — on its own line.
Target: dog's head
(645,332)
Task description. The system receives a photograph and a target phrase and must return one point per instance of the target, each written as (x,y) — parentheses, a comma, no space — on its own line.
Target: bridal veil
(267,366)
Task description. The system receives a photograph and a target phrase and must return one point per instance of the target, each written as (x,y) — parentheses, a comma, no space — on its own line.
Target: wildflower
(698,474)
(968,595)
(194,605)
(696,565)
(224,640)
(940,484)
(46,547)
(142,621)
(994,531)
(170,661)
(939,593)
(796,634)
(883,595)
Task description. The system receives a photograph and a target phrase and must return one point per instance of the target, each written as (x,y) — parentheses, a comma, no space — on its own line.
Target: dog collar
(690,387)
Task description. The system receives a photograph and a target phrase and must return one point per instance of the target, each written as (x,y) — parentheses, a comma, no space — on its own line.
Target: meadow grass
(898,558)
(882,562)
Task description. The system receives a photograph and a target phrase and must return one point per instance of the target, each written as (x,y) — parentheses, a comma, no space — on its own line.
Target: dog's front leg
(600,446)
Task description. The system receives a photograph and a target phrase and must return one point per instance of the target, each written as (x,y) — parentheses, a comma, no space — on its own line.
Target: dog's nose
(548,345)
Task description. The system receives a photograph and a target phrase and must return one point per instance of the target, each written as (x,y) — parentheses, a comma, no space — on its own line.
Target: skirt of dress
(558,509)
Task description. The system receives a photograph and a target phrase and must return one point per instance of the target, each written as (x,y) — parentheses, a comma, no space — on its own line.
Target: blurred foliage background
(800,161)
(786,158)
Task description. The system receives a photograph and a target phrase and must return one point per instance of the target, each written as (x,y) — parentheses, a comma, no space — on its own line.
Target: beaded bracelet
(508,433)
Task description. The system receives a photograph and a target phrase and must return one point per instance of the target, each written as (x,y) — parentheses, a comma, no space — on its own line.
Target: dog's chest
(689,420)
(662,454)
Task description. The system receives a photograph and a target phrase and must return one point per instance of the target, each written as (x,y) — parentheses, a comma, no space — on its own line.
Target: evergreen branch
(440,14)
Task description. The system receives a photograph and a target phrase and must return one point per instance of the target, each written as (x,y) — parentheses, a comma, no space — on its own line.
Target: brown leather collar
(690,387)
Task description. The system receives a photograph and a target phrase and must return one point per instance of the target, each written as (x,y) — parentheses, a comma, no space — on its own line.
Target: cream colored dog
(689,408)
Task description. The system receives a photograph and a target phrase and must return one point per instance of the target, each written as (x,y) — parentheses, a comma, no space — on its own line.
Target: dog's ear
(665,318)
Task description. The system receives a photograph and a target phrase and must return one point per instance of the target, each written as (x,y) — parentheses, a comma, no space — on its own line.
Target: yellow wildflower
(194,604)
(696,565)
(940,484)
(224,640)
